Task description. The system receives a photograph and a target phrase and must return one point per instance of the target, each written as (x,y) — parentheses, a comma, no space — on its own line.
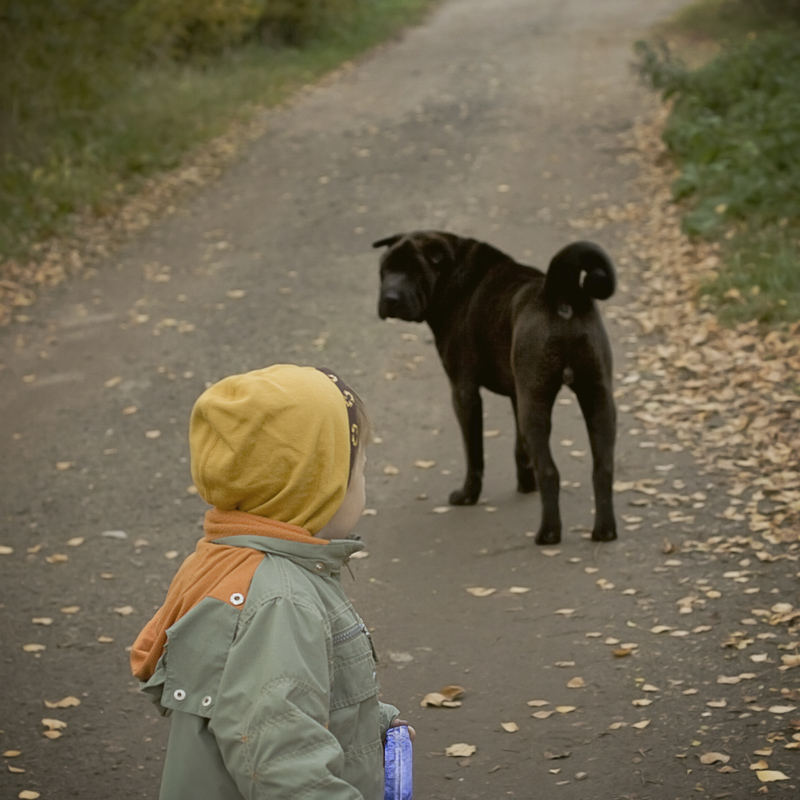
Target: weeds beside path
(83,168)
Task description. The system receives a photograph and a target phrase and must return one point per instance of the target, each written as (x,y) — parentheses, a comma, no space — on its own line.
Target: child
(257,654)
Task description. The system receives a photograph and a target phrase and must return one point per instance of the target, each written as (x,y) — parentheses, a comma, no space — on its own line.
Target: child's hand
(398,723)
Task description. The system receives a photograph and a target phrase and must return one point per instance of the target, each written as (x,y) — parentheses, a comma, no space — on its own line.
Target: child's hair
(364,426)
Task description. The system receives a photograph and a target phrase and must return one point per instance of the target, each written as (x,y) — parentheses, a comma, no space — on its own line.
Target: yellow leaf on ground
(714,758)
(66,702)
(509,727)
(769,775)
(480,591)
(460,750)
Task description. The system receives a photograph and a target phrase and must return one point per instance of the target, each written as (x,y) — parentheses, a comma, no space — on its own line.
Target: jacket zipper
(353,631)
(345,636)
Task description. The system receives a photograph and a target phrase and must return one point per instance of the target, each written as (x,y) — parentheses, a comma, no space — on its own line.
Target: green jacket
(276,699)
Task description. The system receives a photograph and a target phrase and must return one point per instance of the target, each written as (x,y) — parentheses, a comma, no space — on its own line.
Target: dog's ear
(389,240)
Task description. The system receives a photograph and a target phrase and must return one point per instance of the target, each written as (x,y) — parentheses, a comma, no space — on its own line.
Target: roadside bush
(734,129)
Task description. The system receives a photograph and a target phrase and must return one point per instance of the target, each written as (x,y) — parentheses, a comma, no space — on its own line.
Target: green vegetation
(734,128)
(97,95)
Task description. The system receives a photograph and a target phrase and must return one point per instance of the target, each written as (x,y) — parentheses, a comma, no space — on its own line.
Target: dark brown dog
(519,333)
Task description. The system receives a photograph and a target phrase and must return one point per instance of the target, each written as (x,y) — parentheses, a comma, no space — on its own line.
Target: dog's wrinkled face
(409,271)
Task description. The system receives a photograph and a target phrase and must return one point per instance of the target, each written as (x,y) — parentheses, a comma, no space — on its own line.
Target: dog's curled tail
(578,273)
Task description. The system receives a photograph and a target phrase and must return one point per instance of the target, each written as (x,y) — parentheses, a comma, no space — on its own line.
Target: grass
(734,130)
(92,158)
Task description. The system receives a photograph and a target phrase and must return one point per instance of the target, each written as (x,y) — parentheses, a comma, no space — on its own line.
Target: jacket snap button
(179,694)
(319,566)
(206,701)
(237,598)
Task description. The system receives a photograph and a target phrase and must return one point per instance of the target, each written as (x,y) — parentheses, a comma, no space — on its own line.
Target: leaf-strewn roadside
(730,394)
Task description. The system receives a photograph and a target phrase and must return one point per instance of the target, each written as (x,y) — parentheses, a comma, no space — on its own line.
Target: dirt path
(499,121)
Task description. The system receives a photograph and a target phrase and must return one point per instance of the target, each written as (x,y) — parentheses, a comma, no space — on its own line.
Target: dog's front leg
(469,410)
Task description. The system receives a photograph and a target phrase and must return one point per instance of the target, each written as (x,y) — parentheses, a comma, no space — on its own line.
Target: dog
(522,334)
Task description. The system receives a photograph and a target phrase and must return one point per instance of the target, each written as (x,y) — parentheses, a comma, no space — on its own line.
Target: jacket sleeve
(271,718)
(388,715)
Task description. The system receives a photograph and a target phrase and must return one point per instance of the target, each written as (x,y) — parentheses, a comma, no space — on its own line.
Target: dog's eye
(436,255)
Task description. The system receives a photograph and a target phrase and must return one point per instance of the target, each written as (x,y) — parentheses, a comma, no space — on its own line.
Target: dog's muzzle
(398,302)
(391,304)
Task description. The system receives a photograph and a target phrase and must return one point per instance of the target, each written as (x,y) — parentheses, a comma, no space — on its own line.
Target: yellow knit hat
(273,442)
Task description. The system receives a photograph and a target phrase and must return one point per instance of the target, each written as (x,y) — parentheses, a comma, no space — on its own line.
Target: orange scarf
(213,570)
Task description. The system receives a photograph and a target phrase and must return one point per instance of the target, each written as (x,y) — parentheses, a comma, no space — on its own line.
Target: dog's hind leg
(535,409)
(598,408)
(469,410)
(526,478)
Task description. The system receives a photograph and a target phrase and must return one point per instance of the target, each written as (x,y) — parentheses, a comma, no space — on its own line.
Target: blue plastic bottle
(398,764)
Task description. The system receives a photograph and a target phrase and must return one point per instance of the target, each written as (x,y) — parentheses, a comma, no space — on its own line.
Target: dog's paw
(548,536)
(607,534)
(464,497)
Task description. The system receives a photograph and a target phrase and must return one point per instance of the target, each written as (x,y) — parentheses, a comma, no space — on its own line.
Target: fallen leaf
(519,589)
(33,648)
(769,775)
(124,611)
(642,702)
(460,750)
(27,794)
(54,724)
(42,621)
(66,702)
(566,612)
(714,758)
(509,727)
(538,703)
(152,434)
(576,683)
(641,725)
(481,591)
(781,709)
(452,692)
(565,709)
(422,464)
